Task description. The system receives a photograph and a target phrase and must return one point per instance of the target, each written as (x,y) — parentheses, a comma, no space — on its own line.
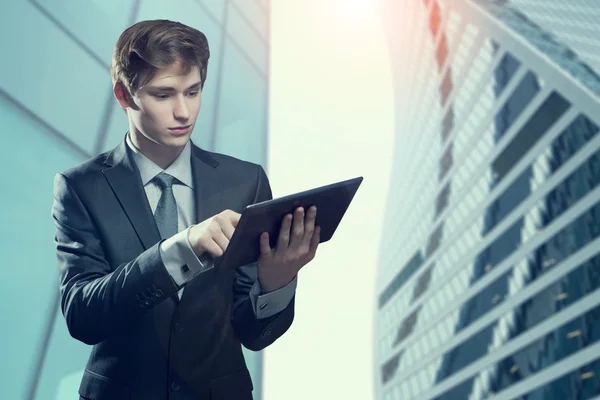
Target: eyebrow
(170,89)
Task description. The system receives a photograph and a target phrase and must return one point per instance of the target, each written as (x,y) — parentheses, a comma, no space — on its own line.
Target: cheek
(196,105)
(152,115)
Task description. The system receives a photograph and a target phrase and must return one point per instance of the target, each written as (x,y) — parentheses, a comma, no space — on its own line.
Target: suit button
(266,333)
(179,327)
(158,293)
(175,386)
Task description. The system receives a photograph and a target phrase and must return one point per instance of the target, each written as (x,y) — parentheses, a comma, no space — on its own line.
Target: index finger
(233,217)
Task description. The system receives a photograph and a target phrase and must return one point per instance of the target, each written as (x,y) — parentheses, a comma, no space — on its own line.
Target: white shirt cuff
(274,302)
(180,260)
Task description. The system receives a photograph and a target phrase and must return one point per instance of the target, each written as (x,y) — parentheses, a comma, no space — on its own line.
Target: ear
(122,95)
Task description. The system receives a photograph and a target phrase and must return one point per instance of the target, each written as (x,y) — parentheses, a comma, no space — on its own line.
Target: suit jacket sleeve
(96,300)
(254,333)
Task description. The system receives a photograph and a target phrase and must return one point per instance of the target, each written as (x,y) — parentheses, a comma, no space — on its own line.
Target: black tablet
(331,201)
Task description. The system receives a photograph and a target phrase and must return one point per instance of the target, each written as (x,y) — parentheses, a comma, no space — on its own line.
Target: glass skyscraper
(57,109)
(489,276)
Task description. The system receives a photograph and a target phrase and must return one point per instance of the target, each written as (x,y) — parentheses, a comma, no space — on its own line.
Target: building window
(540,122)
(516,103)
(400,279)
(447,124)
(446,162)
(388,370)
(422,284)
(407,326)
(442,200)
(446,86)
(435,240)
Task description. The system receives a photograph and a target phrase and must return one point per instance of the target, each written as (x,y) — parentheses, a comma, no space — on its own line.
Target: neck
(161,155)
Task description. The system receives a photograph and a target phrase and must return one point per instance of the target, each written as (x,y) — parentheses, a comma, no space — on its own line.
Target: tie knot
(164,180)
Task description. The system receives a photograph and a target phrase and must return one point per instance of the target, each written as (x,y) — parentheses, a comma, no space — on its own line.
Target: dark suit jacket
(117,295)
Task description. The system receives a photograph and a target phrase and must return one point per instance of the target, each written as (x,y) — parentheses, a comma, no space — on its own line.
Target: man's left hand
(296,246)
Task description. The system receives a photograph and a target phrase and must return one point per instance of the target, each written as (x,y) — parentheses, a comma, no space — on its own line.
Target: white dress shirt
(176,251)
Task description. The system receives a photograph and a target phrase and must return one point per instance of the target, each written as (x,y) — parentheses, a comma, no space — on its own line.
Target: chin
(176,141)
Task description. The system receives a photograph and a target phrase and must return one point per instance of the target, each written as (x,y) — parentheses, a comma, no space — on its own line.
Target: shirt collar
(181,168)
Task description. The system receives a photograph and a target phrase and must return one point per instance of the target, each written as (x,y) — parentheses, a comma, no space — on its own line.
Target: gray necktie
(166,210)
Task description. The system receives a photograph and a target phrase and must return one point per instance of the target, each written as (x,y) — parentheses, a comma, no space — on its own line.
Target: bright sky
(331,118)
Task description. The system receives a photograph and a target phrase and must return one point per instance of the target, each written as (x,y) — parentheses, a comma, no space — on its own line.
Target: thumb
(265,247)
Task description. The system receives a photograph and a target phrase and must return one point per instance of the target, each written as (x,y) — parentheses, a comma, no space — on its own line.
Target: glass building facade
(489,276)
(57,110)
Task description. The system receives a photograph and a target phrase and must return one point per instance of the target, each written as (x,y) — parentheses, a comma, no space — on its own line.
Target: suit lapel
(208,188)
(124,178)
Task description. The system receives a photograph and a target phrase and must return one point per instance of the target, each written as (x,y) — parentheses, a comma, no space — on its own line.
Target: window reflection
(540,122)
(505,70)
(570,288)
(400,279)
(568,339)
(525,91)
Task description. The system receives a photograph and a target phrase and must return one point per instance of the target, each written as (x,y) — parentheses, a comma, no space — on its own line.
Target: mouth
(180,130)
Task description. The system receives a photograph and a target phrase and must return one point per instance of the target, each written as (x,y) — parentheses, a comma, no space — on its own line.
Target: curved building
(489,278)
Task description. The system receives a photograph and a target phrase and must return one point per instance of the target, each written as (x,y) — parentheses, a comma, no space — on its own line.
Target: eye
(161,96)
(193,94)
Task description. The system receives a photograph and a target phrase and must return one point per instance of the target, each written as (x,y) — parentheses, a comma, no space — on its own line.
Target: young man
(140,231)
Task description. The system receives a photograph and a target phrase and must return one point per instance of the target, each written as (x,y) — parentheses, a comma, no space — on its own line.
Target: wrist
(194,245)
(268,286)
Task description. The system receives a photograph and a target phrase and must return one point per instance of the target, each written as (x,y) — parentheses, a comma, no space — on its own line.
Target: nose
(181,111)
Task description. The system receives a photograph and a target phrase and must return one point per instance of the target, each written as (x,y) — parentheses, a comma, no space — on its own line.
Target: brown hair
(146,46)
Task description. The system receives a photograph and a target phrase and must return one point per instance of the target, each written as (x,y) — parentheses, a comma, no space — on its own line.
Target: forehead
(175,75)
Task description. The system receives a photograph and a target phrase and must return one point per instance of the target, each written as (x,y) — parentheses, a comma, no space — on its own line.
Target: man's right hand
(213,235)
